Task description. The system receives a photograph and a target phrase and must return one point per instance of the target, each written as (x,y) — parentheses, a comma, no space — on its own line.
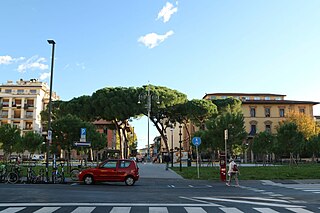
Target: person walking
(233,172)
(166,159)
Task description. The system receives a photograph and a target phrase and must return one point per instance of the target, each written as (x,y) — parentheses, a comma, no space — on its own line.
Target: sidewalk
(151,170)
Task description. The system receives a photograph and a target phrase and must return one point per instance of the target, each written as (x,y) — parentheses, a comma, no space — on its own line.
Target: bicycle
(58,177)
(14,175)
(74,173)
(3,173)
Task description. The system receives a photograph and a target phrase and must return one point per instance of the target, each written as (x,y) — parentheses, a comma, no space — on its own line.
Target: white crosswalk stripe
(120,210)
(47,210)
(265,210)
(194,210)
(83,210)
(231,210)
(158,210)
(12,209)
(299,210)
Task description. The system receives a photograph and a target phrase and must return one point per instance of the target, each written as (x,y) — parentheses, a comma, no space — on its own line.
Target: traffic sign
(83,133)
(78,143)
(49,135)
(196,141)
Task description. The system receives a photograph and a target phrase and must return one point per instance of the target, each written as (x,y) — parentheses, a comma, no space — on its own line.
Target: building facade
(264,111)
(22,102)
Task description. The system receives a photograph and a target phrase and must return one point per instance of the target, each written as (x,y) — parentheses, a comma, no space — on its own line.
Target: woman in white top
(233,172)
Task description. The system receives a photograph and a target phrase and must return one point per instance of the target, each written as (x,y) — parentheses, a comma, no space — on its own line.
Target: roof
(241,94)
(278,102)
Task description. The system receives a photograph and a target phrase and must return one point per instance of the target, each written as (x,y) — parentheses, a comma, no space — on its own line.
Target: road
(162,195)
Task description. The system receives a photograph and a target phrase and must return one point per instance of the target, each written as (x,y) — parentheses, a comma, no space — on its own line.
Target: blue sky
(196,47)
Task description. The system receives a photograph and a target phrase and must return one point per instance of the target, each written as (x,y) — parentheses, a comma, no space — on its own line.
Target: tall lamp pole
(149,97)
(149,110)
(50,106)
(180,141)
(172,146)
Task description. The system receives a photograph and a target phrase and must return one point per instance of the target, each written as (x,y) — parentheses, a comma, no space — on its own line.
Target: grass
(282,172)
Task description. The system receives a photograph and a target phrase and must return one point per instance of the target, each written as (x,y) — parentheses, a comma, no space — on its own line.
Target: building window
(267,98)
(20,91)
(256,98)
(253,130)
(33,91)
(213,97)
(268,128)
(267,112)
(281,112)
(252,112)
(8,90)
(277,98)
(223,97)
(302,110)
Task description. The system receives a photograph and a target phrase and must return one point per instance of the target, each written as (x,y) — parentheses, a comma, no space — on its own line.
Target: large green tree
(9,137)
(263,144)
(32,141)
(229,117)
(289,140)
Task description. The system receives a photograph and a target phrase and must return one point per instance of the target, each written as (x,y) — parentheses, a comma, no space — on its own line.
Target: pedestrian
(166,159)
(233,172)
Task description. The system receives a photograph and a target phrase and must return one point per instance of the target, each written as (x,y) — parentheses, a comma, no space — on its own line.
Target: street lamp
(148,97)
(180,141)
(50,106)
(171,129)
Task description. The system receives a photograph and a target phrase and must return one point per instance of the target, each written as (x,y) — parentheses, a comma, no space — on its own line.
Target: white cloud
(152,40)
(33,63)
(44,76)
(6,59)
(167,11)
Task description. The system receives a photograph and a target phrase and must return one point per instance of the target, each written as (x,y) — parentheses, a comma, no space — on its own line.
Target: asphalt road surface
(162,195)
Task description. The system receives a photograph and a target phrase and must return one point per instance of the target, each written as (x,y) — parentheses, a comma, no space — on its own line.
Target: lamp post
(50,106)
(148,98)
(171,146)
(180,141)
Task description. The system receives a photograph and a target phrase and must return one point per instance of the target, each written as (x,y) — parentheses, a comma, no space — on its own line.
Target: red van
(117,170)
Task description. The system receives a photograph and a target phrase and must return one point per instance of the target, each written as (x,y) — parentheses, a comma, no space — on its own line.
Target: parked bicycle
(57,176)
(14,175)
(3,173)
(74,173)
(32,177)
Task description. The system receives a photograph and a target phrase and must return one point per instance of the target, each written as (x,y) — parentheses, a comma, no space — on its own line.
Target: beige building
(264,111)
(22,102)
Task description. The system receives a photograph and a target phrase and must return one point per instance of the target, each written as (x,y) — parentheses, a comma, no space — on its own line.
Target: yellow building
(264,111)
(22,102)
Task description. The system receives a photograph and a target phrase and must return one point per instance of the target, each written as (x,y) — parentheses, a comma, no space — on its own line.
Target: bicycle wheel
(12,177)
(74,174)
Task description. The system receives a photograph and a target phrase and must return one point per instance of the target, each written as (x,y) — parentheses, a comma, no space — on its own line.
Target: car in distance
(116,170)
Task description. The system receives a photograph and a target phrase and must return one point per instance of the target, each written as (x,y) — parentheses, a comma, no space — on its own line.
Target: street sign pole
(198,162)
(197,141)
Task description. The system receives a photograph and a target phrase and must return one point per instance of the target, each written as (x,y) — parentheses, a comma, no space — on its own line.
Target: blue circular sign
(196,141)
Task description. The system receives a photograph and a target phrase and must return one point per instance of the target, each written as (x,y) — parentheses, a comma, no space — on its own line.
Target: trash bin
(189,162)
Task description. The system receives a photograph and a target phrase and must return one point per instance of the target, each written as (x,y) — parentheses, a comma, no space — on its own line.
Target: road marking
(209,186)
(191,186)
(265,210)
(200,201)
(12,210)
(311,190)
(47,210)
(264,199)
(231,210)
(203,204)
(299,210)
(195,210)
(83,210)
(248,202)
(158,210)
(120,210)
